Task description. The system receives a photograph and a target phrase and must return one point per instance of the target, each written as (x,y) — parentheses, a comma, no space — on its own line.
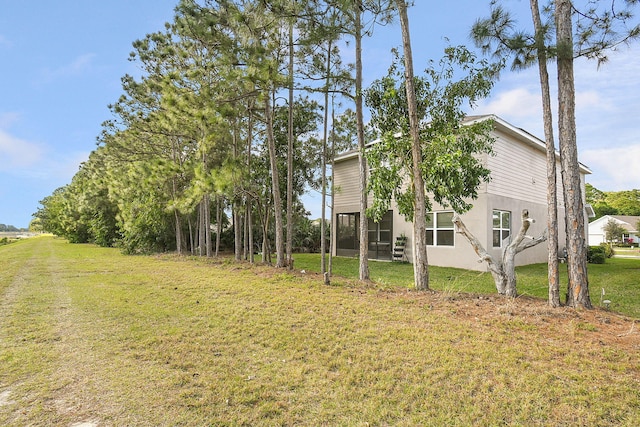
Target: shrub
(596,255)
(608,250)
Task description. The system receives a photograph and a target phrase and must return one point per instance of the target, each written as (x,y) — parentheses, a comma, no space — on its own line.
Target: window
(440,229)
(381,231)
(501,228)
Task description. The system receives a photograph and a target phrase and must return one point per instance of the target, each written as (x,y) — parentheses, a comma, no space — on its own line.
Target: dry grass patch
(89,334)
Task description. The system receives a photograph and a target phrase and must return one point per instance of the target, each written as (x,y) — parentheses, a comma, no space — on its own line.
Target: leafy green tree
(598,201)
(624,202)
(613,231)
(50,212)
(448,164)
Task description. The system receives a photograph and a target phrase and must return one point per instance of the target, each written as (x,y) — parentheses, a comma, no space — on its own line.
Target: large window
(501,228)
(440,229)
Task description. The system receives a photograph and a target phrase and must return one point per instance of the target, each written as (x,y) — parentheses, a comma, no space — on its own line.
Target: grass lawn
(619,277)
(89,335)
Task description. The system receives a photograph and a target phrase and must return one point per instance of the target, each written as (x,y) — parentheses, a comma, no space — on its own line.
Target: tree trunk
(201,230)
(176,214)
(332,228)
(207,224)
(290,153)
(495,267)
(266,249)
(509,256)
(420,262)
(218,224)
(552,197)
(503,272)
(363,272)
(178,223)
(578,286)
(323,226)
(250,228)
(191,238)
(275,184)
(237,231)
(249,204)
(245,236)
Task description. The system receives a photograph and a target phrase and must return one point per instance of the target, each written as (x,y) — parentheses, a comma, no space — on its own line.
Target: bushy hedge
(608,250)
(596,255)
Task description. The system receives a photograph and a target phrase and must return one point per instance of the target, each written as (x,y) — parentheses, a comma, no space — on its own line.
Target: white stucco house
(629,223)
(518,181)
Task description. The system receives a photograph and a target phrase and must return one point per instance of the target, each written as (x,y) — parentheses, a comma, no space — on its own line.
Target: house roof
(500,124)
(628,222)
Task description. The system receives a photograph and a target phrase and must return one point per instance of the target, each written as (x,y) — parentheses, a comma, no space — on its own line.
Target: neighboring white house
(629,223)
(518,181)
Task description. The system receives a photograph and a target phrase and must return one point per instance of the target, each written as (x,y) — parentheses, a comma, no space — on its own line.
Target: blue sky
(63,60)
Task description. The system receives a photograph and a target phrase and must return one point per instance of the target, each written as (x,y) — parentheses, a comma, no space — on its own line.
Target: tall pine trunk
(332,228)
(201,229)
(249,204)
(552,197)
(218,223)
(363,272)
(290,153)
(237,231)
(578,286)
(275,184)
(207,225)
(420,262)
(323,226)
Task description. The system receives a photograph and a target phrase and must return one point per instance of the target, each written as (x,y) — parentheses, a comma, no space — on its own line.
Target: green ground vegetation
(619,277)
(90,335)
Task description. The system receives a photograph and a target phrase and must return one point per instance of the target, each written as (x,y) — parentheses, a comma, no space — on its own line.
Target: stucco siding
(479,221)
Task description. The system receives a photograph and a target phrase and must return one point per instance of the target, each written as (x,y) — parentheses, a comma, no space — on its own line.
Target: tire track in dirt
(37,318)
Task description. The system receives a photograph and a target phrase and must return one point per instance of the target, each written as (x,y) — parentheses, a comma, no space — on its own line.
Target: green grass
(627,251)
(87,334)
(619,277)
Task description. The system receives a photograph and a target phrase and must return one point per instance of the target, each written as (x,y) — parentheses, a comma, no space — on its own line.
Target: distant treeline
(4,227)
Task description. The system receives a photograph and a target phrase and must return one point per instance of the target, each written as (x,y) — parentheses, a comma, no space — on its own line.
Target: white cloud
(591,99)
(515,103)
(614,169)
(17,154)
(76,67)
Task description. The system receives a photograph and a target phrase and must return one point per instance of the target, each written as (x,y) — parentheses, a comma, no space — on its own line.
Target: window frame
(437,230)
(500,228)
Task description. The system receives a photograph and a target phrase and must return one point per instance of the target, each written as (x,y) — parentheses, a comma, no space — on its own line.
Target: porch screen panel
(347,231)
